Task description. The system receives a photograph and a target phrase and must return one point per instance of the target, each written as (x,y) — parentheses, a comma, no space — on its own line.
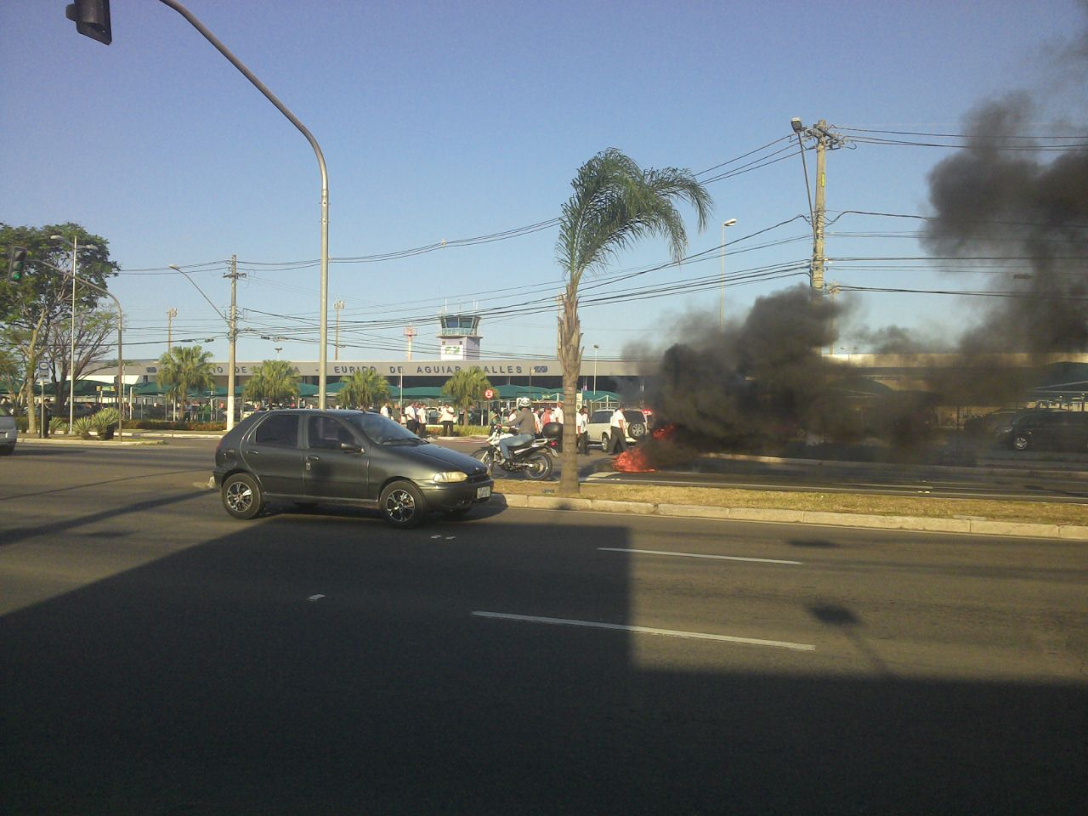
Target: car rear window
(279,430)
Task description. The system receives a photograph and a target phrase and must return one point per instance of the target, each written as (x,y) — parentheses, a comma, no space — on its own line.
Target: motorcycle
(533,458)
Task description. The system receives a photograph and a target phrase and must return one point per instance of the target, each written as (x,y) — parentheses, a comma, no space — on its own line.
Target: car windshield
(382,431)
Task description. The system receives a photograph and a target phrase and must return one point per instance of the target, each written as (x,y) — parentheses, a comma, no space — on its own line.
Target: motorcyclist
(524,427)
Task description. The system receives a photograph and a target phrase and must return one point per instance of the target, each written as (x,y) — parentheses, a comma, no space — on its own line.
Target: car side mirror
(351,447)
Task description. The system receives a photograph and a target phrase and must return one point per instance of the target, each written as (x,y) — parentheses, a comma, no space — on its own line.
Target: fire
(635,460)
(632,460)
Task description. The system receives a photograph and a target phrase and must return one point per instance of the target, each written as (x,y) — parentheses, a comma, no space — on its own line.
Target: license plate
(483,492)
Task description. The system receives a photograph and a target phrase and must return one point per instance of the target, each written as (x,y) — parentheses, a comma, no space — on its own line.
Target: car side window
(327,433)
(601,416)
(278,431)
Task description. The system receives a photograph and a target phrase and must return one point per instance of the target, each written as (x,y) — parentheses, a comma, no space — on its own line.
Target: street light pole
(72,355)
(120,348)
(595,347)
(721,305)
(323,352)
(336,346)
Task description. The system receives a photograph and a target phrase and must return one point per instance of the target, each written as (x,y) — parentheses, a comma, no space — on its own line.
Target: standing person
(617,431)
(446,418)
(386,411)
(581,423)
(524,422)
(410,416)
(557,413)
(421,420)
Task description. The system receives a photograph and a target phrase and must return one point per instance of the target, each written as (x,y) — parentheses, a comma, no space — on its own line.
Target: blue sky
(449,121)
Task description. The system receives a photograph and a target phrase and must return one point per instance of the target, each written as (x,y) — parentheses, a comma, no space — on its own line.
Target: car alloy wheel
(242,496)
(402,504)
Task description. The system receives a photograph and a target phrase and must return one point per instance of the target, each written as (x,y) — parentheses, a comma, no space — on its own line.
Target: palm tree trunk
(570,356)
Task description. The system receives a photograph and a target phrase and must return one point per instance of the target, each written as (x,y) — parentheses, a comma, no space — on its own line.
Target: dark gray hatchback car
(353,458)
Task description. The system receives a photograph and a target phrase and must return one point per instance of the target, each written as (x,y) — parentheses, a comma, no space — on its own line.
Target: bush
(82,427)
(105,422)
(167,425)
(58,425)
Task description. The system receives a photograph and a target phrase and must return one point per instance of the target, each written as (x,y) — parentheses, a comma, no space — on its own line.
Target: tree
(273,382)
(364,389)
(466,387)
(615,203)
(30,307)
(95,332)
(184,369)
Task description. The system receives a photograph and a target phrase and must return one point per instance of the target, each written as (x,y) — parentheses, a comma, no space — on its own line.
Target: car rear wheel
(604,441)
(402,505)
(1021,443)
(242,496)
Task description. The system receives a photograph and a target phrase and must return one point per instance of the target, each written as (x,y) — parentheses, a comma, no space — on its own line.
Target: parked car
(1047,430)
(986,425)
(356,458)
(599,427)
(9,435)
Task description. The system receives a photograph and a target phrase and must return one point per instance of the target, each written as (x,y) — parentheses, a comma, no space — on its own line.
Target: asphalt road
(160,658)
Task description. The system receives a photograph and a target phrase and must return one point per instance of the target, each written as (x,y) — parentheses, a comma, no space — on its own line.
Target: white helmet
(524,402)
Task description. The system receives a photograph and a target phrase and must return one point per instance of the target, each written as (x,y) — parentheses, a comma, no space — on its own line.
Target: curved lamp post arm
(193,282)
(120,349)
(237,63)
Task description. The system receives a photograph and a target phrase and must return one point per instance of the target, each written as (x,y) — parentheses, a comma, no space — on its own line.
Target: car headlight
(450,476)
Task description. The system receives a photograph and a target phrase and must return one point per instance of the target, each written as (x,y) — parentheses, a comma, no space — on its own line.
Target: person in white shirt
(557,413)
(446,417)
(617,431)
(581,420)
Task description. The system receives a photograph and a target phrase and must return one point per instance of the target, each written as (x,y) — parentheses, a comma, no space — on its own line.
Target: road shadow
(319,664)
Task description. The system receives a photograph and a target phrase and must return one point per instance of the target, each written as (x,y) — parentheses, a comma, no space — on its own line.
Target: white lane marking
(699,555)
(315,597)
(646,630)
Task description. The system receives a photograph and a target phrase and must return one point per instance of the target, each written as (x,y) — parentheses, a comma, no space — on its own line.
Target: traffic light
(16,263)
(92,19)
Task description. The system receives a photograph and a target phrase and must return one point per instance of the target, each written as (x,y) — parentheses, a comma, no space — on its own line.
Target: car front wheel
(1021,443)
(402,505)
(242,496)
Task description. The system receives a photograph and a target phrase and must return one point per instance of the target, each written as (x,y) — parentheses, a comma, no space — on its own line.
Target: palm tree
(364,389)
(615,203)
(273,381)
(466,387)
(184,369)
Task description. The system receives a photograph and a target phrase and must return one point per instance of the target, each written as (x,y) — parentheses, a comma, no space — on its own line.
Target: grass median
(1032,512)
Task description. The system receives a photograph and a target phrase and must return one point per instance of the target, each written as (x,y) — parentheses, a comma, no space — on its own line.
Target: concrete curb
(91,443)
(921,524)
(989,467)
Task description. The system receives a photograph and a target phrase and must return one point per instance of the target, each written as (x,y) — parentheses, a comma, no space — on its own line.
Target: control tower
(459,336)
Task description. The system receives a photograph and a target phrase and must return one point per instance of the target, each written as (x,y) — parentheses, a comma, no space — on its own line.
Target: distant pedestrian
(581,423)
(446,417)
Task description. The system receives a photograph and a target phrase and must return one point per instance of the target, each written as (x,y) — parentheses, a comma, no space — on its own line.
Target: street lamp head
(729,223)
(795,123)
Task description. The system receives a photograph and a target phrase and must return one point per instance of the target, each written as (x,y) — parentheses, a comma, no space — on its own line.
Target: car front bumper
(457,496)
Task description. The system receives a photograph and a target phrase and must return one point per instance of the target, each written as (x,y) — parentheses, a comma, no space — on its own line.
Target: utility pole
(232,336)
(170,315)
(336,347)
(409,333)
(824,139)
